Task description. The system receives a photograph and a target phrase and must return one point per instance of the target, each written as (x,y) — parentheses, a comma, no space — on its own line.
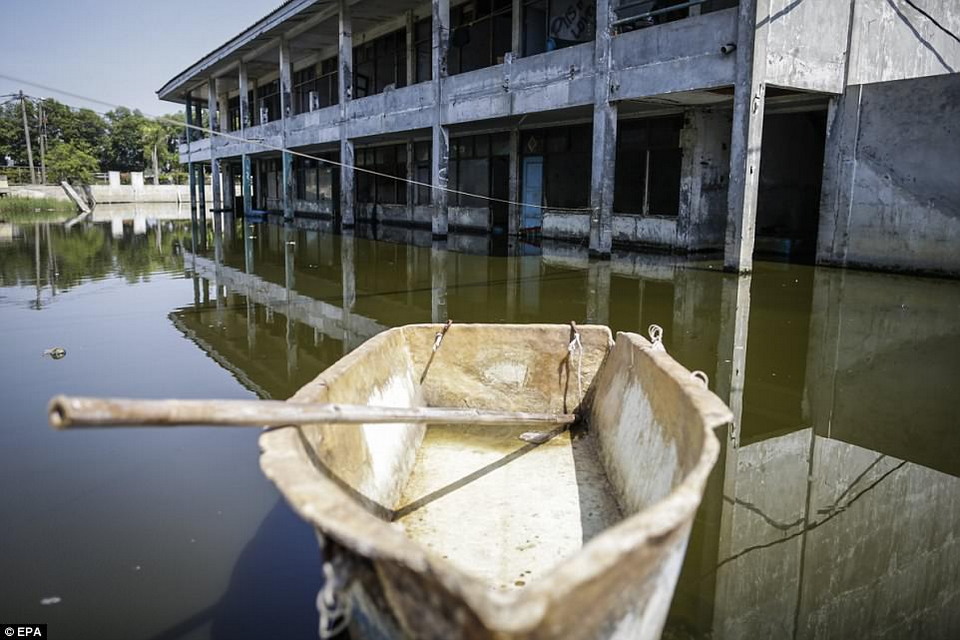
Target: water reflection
(838,484)
(833,508)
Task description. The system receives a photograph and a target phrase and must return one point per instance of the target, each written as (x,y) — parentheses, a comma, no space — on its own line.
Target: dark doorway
(791,172)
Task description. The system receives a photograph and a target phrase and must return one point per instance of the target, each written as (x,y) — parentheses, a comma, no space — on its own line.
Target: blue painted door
(532,216)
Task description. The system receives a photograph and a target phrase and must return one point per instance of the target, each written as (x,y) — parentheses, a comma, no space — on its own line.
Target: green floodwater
(833,512)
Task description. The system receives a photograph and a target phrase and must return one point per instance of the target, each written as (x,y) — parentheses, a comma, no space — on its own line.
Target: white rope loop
(576,347)
(655,332)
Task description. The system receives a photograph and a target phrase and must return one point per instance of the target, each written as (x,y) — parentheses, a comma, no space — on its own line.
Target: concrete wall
(807,44)
(704,179)
(891,197)
(123,194)
(892,41)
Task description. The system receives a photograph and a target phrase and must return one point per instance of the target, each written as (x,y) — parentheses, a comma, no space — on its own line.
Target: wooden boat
(472,532)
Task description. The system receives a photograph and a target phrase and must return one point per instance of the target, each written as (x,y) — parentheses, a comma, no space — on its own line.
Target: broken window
(304,81)
(268,97)
(233,114)
(328,92)
(554,24)
(422,171)
(470,167)
(648,167)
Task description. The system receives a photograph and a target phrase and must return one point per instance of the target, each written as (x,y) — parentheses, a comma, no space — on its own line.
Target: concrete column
(516,29)
(732,348)
(190,170)
(438,279)
(223,104)
(286,111)
(440,158)
(603,165)
(747,136)
(348,194)
(246,181)
(214,161)
(513,186)
(411,176)
(202,200)
(286,80)
(212,106)
(704,179)
(244,80)
(411,50)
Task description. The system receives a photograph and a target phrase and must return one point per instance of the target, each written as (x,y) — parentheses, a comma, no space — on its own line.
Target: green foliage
(68,162)
(122,140)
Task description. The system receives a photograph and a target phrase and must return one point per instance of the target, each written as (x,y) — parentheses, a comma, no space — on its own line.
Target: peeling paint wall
(891,197)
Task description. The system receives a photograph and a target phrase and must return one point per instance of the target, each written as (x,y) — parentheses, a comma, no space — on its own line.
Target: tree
(66,161)
(123,150)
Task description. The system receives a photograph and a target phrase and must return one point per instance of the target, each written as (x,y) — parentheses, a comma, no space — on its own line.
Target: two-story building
(817,128)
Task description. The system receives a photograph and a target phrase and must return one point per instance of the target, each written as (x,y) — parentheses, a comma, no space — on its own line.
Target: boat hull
(648,422)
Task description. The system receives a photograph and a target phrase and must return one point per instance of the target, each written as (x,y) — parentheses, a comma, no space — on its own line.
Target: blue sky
(118,52)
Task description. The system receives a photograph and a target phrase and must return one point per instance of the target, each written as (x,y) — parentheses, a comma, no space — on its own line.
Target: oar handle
(68,412)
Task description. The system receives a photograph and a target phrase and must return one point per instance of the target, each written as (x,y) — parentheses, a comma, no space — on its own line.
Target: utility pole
(26,133)
(43,144)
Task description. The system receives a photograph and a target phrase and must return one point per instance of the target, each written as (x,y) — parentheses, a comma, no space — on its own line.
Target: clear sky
(118,52)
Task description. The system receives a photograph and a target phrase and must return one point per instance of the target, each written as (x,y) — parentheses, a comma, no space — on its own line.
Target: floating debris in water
(51,600)
(56,352)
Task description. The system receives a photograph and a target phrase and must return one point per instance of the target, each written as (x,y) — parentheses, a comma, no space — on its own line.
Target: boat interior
(500,503)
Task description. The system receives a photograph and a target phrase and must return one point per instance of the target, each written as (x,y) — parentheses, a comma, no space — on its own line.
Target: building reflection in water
(833,509)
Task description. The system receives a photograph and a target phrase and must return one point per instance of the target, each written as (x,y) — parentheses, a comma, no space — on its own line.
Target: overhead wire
(300,154)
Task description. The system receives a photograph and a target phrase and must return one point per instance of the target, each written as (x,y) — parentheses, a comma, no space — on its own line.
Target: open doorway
(791,174)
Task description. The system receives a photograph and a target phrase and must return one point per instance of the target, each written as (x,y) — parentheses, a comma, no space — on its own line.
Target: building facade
(819,129)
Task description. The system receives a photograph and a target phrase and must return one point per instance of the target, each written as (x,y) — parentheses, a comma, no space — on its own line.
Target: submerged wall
(891,197)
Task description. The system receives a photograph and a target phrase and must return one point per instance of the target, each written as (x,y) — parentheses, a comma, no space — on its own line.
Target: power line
(300,154)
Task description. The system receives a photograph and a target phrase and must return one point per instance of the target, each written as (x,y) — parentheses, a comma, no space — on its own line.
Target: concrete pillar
(732,348)
(411,49)
(513,186)
(246,181)
(704,179)
(747,135)
(516,29)
(248,248)
(603,165)
(286,111)
(411,176)
(223,105)
(202,201)
(348,194)
(286,80)
(438,279)
(244,81)
(440,158)
(212,105)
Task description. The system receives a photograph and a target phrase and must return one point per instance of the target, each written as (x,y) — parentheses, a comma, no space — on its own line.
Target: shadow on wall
(273,588)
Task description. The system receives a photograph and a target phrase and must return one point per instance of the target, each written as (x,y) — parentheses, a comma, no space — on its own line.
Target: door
(532,214)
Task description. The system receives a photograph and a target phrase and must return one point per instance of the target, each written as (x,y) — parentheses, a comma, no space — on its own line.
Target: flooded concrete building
(817,129)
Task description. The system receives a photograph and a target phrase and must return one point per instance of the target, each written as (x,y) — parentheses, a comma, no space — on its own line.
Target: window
(648,167)
(422,152)
(233,114)
(390,160)
(566,155)
(327,88)
(380,63)
(470,167)
(423,48)
(480,34)
(268,97)
(554,24)
(304,81)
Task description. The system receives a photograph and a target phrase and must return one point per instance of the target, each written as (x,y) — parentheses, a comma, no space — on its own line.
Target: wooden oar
(73,412)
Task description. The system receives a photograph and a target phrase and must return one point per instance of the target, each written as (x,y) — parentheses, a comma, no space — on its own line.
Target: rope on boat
(576,346)
(655,332)
(440,334)
(333,604)
(701,377)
